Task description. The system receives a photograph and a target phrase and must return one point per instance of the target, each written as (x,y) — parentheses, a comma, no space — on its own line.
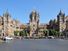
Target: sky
(21,9)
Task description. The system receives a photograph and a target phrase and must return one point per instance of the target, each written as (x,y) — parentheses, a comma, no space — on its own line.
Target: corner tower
(61,21)
(6,17)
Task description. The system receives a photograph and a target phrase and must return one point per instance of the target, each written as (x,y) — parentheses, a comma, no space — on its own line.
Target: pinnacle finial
(33,10)
(6,13)
(61,12)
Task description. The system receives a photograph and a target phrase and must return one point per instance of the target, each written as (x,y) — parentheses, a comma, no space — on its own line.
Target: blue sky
(20,9)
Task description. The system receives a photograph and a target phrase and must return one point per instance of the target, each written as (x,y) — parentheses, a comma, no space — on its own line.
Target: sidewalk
(1,41)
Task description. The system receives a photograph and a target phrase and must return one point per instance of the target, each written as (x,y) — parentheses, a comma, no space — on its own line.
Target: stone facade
(36,29)
(66,22)
(7,25)
(62,22)
(1,25)
(42,27)
(53,25)
(34,23)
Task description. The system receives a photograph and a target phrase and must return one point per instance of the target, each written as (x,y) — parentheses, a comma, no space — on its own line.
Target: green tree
(23,33)
(52,32)
(57,33)
(46,32)
(16,33)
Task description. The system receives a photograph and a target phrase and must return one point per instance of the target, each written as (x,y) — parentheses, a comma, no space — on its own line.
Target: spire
(61,12)
(6,13)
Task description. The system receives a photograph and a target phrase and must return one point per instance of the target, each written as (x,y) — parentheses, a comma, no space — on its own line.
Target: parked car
(51,37)
(7,38)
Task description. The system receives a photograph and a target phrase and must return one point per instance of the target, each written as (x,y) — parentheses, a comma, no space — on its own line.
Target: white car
(8,38)
(51,37)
